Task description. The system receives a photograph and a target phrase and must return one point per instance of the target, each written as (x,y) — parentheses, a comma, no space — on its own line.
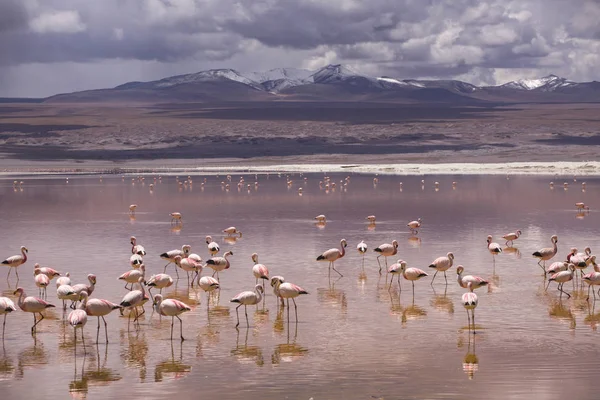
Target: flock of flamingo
(134,300)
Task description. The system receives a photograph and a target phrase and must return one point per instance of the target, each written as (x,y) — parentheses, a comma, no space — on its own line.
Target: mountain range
(333,83)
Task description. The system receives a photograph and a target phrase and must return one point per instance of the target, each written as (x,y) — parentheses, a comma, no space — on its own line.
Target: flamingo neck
(24,255)
(259,295)
(21,299)
(343,250)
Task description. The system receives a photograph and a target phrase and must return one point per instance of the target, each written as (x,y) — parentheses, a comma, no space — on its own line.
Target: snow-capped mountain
(546,84)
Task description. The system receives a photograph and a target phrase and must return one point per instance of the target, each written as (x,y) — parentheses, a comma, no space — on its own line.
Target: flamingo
(133,299)
(170,255)
(275,282)
(49,272)
(63,280)
(247,298)
(232,230)
(362,249)
(208,284)
(88,288)
(66,292)
(133,276)
(547,253)
(189,265)
(493,248)
(136,248)
(386,250)
(321,218)
(171,308)
(132,209)
(135,260)
(16,261)
(259,271)
(580,260)
(176,216)
(78,318)
(414,226)
(289,291)
(442,264)
(334,254)
(582,206)
(463,281)
(213,247)
(410,274)
(6,307)
(32,305)
(561,278)
(219,263)
(470,301)
(371,218)
(99,308)
(42,282)
(159,281)
(593,279)
(511,237)
(557,267)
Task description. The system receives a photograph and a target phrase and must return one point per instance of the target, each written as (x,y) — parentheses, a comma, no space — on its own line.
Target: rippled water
(355,338)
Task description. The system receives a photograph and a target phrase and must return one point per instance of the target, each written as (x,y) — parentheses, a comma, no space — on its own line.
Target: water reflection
(470,362)
(172,366)
(559,311)
(247,354)
(289,351)
(513,251)
(96,375)
(31,357)
(414,241)
(442,302)
(6,364)
(332,297)
(134,351)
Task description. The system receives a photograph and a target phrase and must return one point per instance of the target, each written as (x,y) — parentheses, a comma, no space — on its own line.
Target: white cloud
(57,22)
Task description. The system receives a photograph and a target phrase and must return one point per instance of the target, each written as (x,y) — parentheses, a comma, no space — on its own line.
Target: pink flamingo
(410,274)
(442,264)
(170,255)
(135,260)
(470,301)
(64,280)
(557,266)
(259,271)
(6,307)
(592,279)
(579,260)
(132,209)
(232,230)
(133,276)
(511,237)
(463,281)
(78,318)
(289,291)
(334,254)
(386,250)
(275,282)
(32,305)
(219,263)
(66,292)
(561,278)
(547,253)
(189,265)
(136,248)
(49,272)
(42,282)
(159,281)
(80,287)
(132,300)
(493,248)
(16,261)
(176,217)
(213,247)
(247,298)
(171,308)
(414,226)
(208,284)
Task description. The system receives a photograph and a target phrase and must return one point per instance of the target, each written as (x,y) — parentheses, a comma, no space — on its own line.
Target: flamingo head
(208,239)
(177,260)
(132,240)
(554,239)
(344,243)
(460,269)
(489,239)
(186,248)
(450,256)
(23,248)
(92,278)
(259,288)
(395,244)
(402,265)
(255,257)
(19,290)
(518,233)
(157,299)
(277,280)
(588,251)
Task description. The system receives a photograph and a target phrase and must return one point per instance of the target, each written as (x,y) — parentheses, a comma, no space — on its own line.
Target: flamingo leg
(165,270)
(238,316)
(295,309)
(473,312)
(333,266)
(468,319)
(246,312)
(17,272)
(379,264)
(33,328)
(8,275)
(180,328)
(82,338)
(172,322)
(433,279)
(288,309)
(3,326)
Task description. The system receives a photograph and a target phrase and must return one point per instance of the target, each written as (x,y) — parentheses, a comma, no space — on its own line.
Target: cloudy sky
(52,46)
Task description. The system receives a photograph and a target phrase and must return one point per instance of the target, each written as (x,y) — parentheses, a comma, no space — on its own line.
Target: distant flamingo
(547,253)
(410,274)
(470,301)
(414,226)
(219,263)
(511,237)
(132,209)
(132,300)
(321,218)
(290,291)
(78,318)
(171,308)
(213,247)
(136,248)
(582,206)
(32,305)
(334,254)
(208,284)
(159,281)
(442,264)
(133,276)
(386,250)
(259,271)
(592,279)
(16,261)
(232,230)
(275,282)
(493,248)
(371,218)
(362,249)
(49,272)
(6,307)
(99,308)
(176,217)
(463,281)
(42,282)
(247,298)
(561,278)
(64,280)
(170,255)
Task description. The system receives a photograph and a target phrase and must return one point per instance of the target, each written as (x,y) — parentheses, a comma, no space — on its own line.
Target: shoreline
(173,167)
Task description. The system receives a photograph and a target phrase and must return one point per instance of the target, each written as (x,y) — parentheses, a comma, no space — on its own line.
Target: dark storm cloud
(485,39)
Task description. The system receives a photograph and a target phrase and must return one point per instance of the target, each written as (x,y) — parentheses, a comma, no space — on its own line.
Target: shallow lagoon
(355,338)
